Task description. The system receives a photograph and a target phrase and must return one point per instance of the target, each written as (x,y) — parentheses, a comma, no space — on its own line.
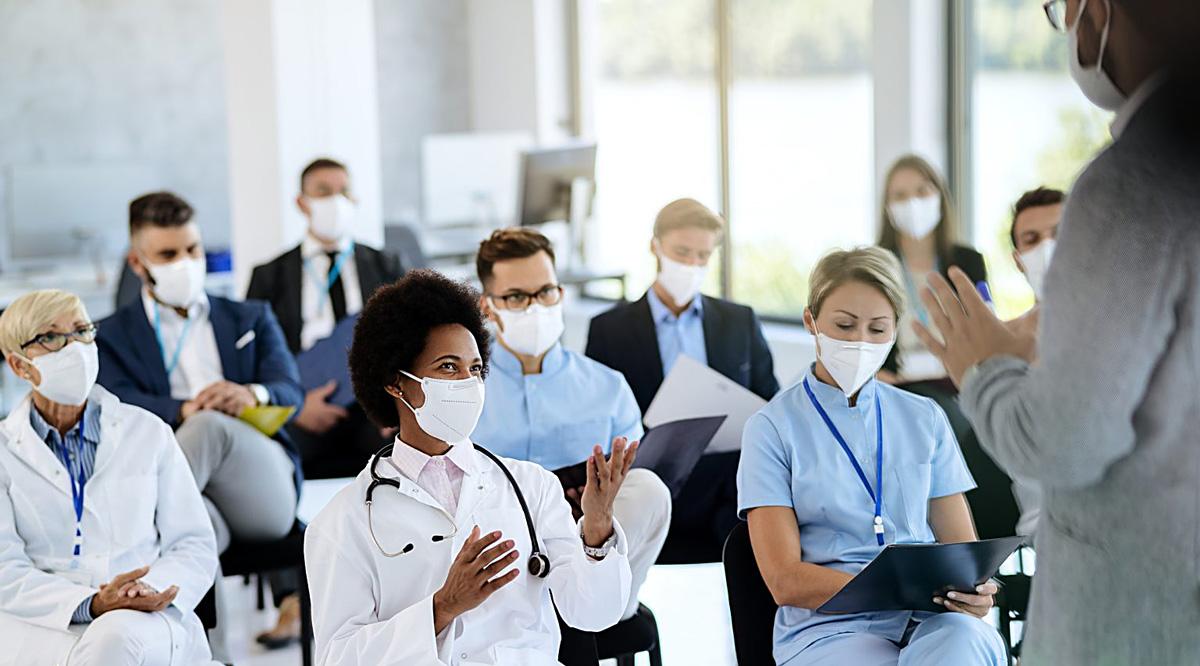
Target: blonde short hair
(873,266)
(687,214)
(33,313)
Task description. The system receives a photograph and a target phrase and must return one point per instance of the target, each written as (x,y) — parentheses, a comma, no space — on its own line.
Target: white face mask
(1094,82)
(452,407)
(68,374)
(682,281)
(851,364)
(532,331)
(918,216)
(331,216)
(1036,263)
(179,283)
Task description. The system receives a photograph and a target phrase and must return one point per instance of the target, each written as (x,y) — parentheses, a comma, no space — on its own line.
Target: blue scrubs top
(555,418)
(790,458)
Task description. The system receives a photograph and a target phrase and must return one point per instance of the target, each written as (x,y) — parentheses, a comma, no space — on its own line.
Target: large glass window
(801,143)
(657,124)
(1031,127)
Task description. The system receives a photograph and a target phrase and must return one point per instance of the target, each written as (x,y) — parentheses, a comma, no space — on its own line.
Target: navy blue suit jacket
(625,339)
(132,368)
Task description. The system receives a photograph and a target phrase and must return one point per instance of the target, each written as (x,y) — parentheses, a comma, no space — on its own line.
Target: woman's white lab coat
(369,609)
(141,507)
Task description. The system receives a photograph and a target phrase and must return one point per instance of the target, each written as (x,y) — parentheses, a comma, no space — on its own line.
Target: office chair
(622,642)
(244,558)
(996,514)
(402,240)
(751,606)
(129,286)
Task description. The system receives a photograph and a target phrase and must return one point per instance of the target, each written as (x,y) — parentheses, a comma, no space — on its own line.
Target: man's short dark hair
(158,209)
(1042,196)
(317,165)
(508,244)
(392,331)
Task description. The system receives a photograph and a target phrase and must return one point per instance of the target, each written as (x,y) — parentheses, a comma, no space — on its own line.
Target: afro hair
(392,331)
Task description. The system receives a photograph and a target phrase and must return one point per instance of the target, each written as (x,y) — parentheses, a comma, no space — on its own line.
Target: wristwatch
(261,394)
(601,552)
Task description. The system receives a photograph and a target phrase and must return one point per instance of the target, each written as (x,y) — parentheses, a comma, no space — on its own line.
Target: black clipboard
(908,576)
(671,451)
(328,359)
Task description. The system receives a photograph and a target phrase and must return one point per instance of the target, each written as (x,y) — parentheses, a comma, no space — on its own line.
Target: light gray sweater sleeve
(1108,315)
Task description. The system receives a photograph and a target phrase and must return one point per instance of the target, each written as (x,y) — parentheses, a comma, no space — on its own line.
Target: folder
(694,390)
(327,359)
(671,451)
(268,419)
(909,576)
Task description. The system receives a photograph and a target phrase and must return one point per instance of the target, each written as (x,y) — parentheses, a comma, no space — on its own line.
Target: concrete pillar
(301,83)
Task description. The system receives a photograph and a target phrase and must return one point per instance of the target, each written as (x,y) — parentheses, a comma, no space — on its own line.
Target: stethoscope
(539,564)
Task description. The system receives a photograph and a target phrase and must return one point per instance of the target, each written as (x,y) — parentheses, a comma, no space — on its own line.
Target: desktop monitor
(549,176)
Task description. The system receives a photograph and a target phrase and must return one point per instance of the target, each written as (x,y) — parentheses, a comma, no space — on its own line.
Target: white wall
(135,81)
(424,88)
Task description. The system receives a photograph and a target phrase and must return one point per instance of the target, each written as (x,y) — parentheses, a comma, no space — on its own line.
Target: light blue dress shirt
(555,418)
(790,458)
(678,335)
(77,452)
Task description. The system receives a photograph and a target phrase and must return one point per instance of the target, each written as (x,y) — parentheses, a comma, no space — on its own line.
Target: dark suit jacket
(971,263)
(132,368)
(625,339)
(280,281)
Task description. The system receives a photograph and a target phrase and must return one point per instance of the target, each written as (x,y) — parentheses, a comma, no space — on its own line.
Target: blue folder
(327,360)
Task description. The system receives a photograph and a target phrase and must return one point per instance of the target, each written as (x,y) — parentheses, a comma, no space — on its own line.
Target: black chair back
(402,240)
(751,606)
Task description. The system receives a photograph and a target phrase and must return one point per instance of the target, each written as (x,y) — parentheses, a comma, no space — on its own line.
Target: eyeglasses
(521,300)
(1056,13)
(54,341)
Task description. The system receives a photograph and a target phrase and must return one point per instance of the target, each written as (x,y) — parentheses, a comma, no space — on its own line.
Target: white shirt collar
(197,310)
(311,247)
(1134,104)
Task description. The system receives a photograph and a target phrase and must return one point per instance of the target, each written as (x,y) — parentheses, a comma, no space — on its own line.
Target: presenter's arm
(775,537)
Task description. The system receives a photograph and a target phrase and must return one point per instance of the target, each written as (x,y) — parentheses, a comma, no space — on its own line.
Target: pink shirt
(440,476)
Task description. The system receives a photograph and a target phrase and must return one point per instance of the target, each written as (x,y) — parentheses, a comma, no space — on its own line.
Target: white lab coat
(370,610)
(141,507)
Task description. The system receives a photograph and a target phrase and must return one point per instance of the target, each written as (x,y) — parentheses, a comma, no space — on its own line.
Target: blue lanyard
(174,362)
(334,272)
(877,493)
(78,482)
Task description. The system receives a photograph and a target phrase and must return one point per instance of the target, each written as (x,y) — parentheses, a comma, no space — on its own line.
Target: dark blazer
(970,261)
(625,339)
(280,281)
(132,368)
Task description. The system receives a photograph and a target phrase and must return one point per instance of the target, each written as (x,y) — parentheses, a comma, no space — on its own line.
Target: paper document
(694,390)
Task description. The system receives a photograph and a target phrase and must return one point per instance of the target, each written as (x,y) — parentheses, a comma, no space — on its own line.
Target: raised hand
(604,479)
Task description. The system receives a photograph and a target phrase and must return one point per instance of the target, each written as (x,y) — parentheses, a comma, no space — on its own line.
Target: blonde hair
(33,313)
(873,266)
(687,214)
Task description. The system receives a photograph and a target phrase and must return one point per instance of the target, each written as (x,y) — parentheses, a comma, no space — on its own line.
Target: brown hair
(506,244)
(1042,196)
(687,214)
(158,209)
(946,232)
(320,163)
